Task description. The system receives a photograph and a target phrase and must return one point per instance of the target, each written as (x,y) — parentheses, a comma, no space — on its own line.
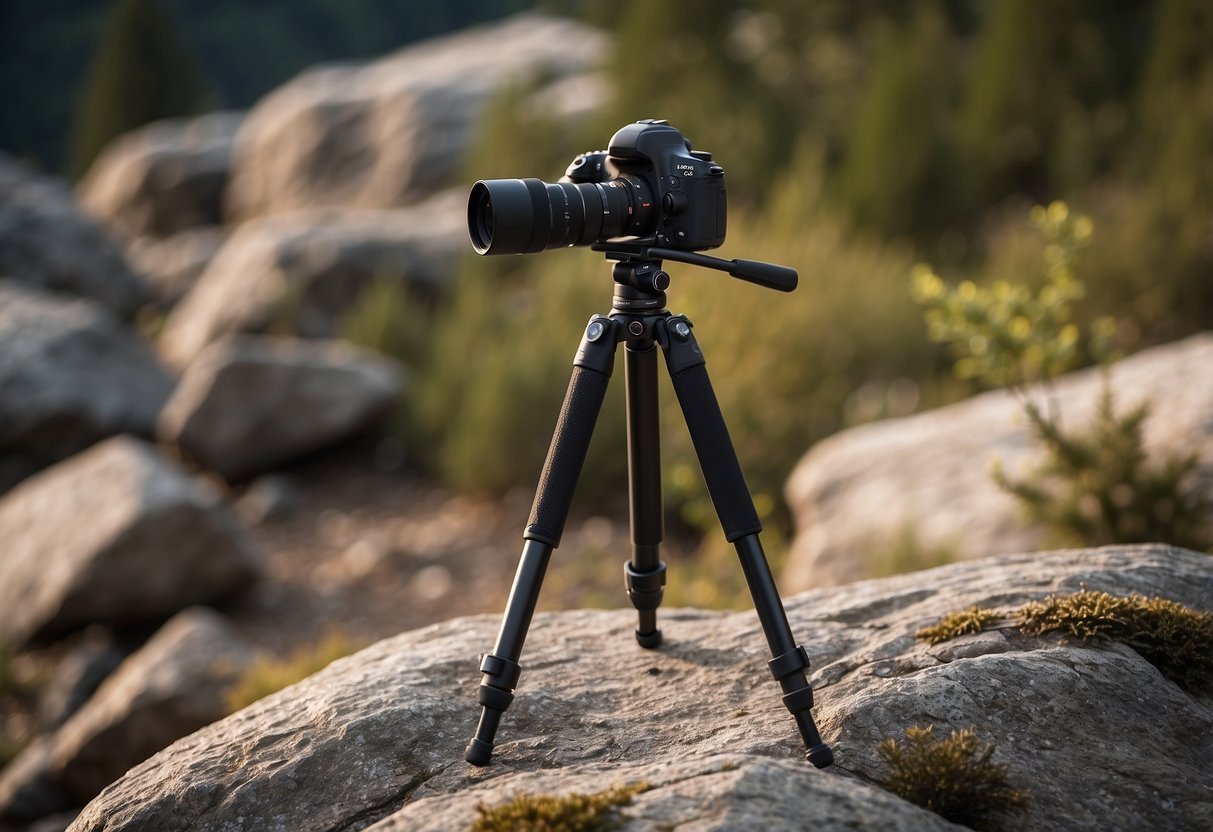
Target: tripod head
(779,278)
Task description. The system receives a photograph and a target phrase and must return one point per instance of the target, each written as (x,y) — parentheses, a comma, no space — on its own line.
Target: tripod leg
(645,572)
(586,391)
(735,508)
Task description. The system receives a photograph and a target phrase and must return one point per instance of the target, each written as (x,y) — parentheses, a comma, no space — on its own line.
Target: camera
(648,188)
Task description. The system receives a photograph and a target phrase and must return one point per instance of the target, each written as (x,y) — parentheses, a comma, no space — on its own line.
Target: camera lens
(520,216)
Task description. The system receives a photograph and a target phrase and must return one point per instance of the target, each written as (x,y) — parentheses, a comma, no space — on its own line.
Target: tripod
(640,320)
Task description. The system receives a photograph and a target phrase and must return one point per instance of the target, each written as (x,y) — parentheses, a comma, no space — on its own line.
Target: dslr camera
(648,188)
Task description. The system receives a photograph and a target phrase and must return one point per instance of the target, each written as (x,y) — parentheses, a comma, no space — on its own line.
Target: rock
(269,497)
(249,403)
(382,134)
(162,178)
(1101,739)
(76,676)
(115,535)
(70,375)
(173,685)
(303,272)
(47,242)
(927,477)
(171,265)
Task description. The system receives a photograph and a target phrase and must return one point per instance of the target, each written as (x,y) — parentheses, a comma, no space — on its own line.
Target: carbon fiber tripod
(640,320)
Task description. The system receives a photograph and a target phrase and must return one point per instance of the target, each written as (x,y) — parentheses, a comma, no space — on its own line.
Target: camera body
(648,188)
(681,200)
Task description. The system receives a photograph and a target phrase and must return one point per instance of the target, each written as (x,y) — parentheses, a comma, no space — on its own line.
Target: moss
(1174,638)
(953,776)
(269,674)
(596,812)
(972,620)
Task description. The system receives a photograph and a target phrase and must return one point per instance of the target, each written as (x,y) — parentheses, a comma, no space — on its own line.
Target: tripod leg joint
(645,589)
(795,660)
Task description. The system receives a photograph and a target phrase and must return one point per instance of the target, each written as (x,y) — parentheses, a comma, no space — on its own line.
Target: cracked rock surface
(1097,735)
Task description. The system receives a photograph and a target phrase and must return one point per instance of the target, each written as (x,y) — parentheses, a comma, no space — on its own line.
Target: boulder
(382,134)
(249,403)
(303,272)
(924,481)
(1100,738)
(162,178)
(173,685)
(171,265)
(115,535)
(70,375)
(48,243)
(84,666)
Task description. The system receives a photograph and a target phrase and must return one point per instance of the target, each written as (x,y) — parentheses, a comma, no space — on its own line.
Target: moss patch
(596,812)
(972,620)
(952,776)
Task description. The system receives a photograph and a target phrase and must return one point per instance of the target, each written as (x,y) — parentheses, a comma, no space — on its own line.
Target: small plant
(955,624)
(1093,487)
(1172,637)
(596,812)
(953,776)
(268,674)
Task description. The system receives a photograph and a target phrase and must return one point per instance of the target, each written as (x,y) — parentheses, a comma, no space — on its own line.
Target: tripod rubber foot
(478,752)
(649,640)
(820,755)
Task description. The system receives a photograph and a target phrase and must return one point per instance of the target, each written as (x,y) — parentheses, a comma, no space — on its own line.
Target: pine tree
(140,73)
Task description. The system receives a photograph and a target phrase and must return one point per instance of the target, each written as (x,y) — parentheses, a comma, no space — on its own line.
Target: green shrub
(596,812)
(952,776)
(269,674)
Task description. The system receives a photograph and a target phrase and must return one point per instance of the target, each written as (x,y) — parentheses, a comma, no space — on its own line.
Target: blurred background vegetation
(859,138)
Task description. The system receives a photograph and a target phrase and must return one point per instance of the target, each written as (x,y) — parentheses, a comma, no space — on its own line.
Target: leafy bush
(952,776)
(597,812)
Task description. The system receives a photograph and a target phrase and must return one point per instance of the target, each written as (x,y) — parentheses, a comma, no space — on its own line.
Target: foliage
(140,73)
(905,551)
(952,776)
(1097,486)
(954,624)
(596,812)
(269,674)
(1174,638)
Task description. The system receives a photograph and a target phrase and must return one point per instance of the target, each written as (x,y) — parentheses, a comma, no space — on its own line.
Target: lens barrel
(522,216)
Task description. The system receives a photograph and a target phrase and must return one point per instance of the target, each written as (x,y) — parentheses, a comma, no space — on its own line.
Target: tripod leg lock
(499,672)
(796,659)
(645,589)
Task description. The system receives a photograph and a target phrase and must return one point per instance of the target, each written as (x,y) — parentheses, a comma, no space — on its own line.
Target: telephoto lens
(522,216)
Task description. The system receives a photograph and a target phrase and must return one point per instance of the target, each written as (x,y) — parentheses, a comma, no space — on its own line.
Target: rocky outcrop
(48,243)
(926,478)
(382,134)
(249,403)
(303,272)
(162,178)
(115,535)
(171,686)
(1099,737)
(171,265)
(70,375)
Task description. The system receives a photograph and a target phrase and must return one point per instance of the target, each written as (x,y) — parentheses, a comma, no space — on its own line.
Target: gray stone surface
(928,476)
(1101,739)
(47,242)
(249,403)
(173,685)
(382,134)
(164,177)
(115,535)
(70,375)
(172,265)
(304,271)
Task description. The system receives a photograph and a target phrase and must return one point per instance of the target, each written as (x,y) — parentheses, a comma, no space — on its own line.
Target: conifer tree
(140,73)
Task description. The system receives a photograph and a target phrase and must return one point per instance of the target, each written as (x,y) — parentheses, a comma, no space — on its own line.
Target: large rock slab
(1101,739)
(47,242)
(862,492)
(303,272)
(382,134)
(162,178)
(173,685)
(115,535)
(70,375)
(172,265)
(249,403)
